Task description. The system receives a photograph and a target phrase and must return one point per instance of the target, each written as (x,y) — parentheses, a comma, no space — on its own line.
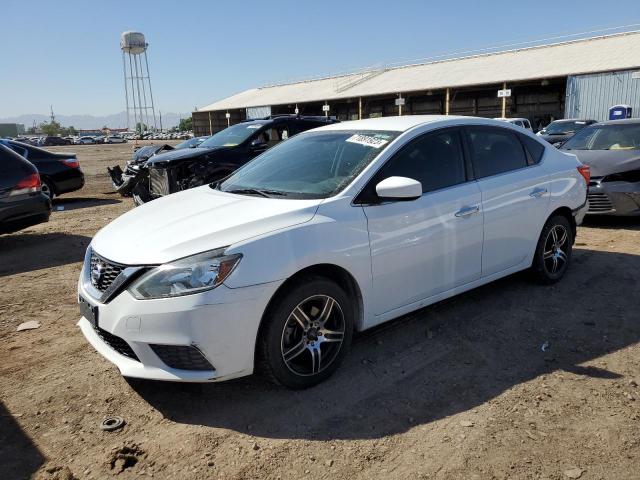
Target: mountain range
(86,122)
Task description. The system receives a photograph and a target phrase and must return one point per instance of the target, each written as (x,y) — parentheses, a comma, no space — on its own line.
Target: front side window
(495,151)
(606,137)
(434,159)
(310,165)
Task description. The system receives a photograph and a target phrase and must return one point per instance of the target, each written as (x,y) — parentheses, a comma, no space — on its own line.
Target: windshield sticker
(367,141)
(254,126)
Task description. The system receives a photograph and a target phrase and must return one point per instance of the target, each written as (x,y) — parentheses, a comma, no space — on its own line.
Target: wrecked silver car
(612,151)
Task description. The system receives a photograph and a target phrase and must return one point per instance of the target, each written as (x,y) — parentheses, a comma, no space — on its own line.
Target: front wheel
(307,333)
(553,251)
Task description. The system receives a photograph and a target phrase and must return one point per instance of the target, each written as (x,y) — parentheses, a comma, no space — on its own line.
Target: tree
(141,127)
(185,124)
(50,128)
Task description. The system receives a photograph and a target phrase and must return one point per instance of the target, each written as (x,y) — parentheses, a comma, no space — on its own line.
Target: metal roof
(597,54)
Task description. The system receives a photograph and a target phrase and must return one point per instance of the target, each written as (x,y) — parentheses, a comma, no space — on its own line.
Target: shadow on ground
(19,457)
(611,222)
(27,252)
(442,360)
(75,203)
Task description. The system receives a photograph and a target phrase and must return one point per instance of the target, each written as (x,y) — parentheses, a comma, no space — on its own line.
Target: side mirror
(399,188)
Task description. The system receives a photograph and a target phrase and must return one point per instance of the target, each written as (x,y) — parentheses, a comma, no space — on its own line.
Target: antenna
(137,81)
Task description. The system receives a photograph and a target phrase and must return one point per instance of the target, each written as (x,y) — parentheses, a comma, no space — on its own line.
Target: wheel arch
(329,271)
(568,214)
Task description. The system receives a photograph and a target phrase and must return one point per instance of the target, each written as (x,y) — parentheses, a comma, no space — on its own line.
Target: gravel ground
(459,390)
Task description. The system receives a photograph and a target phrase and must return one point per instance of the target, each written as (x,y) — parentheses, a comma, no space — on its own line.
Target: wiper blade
(255,191)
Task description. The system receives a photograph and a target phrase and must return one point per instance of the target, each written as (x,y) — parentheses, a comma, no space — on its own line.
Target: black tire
(47,188)
(283,334)
(553,250)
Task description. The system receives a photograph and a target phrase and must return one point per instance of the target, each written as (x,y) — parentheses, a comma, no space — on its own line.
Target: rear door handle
(538,192)
(467,211)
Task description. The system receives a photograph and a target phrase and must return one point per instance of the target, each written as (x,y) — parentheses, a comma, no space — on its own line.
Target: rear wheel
(47,188)
(307,334)
(553,251)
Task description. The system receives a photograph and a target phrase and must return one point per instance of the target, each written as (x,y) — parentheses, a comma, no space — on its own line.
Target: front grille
(599,202)
(182,357)
(118,344)
(102,272)
(159,181)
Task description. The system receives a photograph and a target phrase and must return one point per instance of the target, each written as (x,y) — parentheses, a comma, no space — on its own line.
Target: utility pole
(160,121)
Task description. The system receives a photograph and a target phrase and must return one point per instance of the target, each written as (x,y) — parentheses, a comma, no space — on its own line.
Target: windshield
(192,142)
(564,128)
(232,136)
(606,137)
(310,165)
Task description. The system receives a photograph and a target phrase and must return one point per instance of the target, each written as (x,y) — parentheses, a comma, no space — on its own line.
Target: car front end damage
(615,194)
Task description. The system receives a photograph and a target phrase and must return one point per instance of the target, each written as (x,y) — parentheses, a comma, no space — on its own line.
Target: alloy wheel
(555,250)
(312,335)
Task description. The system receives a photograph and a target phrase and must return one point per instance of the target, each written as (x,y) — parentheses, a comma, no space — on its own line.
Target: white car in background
(86,140)
(334,230)
(520,122)
(115,139)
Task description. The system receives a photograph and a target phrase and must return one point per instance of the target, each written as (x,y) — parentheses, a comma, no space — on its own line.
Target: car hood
(143,153)
(194,221)
(606,162)
(181,154)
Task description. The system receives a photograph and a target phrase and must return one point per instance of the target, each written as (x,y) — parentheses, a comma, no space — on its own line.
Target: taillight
(71,162)
(585,171)
(30,184)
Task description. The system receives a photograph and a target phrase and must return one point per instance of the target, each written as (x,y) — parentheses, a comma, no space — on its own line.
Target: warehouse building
(11,129)
(579,78)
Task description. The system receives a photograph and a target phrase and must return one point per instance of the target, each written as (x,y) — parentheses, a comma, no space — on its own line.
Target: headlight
(188,275)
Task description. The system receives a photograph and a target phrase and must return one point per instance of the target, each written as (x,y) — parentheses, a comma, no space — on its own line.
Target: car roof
(407,122)
(621,122)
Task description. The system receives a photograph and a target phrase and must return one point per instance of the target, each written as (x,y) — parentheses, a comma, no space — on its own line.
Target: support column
(504,101)
(359,108)
(210,127)
(446,102)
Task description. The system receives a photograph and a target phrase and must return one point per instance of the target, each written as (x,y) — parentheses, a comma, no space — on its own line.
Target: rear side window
(534,148)
(434,159)
(495,151)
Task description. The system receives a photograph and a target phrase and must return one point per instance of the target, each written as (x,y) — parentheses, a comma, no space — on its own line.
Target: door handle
(467,211)
(538,192)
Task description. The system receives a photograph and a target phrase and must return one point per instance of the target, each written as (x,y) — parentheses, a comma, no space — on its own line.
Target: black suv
(222,153)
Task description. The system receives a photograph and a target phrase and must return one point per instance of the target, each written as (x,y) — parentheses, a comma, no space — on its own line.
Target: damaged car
(223,153)
(612,150)
(133,180)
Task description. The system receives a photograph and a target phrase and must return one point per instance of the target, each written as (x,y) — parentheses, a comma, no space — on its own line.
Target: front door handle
(467,211)
(538,192)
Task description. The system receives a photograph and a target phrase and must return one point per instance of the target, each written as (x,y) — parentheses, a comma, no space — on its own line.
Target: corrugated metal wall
(591,96)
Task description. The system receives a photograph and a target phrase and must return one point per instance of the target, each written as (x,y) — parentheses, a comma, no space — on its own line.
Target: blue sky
(67,53)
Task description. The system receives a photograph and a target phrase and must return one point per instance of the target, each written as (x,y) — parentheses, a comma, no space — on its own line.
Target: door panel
(515,197)
(421,248)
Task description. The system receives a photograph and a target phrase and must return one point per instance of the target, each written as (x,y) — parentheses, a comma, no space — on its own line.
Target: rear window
(11,162)
(495,151)
(534,148)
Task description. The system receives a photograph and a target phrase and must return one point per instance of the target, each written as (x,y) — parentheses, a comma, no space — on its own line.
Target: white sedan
(335,230)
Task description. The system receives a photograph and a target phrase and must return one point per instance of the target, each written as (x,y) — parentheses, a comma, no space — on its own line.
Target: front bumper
(221,323)
(614,198)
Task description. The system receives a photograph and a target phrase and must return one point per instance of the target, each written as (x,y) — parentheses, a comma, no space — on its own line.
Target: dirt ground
(460,390)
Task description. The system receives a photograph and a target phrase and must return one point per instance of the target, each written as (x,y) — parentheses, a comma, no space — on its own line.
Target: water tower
(137,81)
